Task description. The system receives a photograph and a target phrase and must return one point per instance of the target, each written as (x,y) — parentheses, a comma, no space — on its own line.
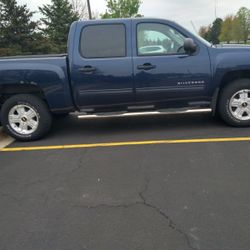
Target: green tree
(227,29)
(203,31)
(122,8)
(236,30)
(16,28)
(55,23)
(243,17)
(214,32)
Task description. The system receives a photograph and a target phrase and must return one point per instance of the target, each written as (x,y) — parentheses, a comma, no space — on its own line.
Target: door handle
(87,69)
(146,66)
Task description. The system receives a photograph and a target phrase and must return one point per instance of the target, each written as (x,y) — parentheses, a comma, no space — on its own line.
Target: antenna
(195,30)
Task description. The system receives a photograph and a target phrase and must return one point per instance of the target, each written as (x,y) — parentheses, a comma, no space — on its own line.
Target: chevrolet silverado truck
(124,65)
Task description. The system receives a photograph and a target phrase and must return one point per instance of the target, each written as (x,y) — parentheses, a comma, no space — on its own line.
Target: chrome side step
(127,114)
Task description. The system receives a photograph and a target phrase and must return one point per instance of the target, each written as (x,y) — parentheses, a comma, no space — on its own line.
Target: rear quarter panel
(49,74)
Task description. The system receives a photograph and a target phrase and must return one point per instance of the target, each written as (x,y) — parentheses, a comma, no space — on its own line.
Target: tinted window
(158,39)
(99,41)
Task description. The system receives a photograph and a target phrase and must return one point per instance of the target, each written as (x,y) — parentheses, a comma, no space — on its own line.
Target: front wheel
(26,117)
(234,103)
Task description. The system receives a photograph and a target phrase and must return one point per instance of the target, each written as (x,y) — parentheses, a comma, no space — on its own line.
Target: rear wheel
(26,117)
(234,103)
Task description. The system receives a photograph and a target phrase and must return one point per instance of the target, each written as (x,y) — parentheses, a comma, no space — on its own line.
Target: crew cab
(124,65)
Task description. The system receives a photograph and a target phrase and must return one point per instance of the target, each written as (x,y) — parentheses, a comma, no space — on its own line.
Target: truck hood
(232,45)
(232,48)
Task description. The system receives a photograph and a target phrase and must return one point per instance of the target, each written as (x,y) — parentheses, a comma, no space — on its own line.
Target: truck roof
(126,19)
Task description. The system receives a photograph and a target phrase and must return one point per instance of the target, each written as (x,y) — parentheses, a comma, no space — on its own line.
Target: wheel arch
(227,79)
(8,90)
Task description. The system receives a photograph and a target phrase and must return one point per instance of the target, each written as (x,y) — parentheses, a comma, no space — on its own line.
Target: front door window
(158,39)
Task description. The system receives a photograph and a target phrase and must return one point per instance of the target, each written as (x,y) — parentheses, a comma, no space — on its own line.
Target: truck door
(101,74)
(163,71)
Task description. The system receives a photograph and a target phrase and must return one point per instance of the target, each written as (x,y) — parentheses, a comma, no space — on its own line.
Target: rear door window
(103,41)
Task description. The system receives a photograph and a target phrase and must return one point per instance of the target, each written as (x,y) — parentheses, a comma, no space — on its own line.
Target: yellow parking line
(131,143)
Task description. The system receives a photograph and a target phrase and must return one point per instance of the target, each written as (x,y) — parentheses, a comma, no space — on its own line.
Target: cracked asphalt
(169,197)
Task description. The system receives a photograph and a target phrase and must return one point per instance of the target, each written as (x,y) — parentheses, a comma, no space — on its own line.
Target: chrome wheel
(23,119)
(240,105)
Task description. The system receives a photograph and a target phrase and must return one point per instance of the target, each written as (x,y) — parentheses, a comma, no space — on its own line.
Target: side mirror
(189,46)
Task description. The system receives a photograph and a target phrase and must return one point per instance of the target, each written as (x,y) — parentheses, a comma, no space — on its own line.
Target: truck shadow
(142,127)
(137,124)
(71,130)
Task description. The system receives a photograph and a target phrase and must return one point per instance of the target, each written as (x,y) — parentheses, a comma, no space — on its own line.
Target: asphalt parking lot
(169,196)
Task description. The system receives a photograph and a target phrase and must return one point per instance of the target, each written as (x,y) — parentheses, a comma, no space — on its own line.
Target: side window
(158,39)
(103,41)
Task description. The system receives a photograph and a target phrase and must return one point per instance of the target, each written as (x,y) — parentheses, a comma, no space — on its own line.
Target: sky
(198,12)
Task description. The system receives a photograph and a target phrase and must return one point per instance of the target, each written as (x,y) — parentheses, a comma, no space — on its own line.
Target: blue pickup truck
(124,65)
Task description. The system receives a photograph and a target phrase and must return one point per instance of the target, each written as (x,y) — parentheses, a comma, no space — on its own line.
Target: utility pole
(89,9)
(215,8)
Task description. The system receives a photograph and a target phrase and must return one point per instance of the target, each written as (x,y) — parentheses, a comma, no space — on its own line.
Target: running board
(124,114)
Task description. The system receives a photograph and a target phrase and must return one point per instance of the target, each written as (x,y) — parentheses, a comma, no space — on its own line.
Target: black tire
(224,102)
(41,110)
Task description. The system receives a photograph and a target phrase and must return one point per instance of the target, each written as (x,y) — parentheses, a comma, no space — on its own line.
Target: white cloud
(201,12)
